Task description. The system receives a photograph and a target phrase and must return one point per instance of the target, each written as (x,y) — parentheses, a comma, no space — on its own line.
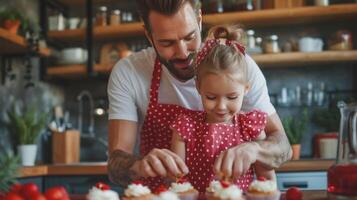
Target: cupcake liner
(274,196)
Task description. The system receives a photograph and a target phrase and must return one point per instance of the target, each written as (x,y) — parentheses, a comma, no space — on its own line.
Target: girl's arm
(178,145)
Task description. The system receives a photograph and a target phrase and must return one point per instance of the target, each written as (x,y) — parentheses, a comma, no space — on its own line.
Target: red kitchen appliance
(342,176)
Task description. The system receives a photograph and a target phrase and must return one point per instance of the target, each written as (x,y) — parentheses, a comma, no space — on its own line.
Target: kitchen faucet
(90,135)
(80,97)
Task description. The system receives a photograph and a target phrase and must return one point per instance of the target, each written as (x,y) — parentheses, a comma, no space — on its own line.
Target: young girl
(200,136)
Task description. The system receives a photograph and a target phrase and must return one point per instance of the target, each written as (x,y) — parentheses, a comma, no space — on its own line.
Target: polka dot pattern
(204,142)
(156,132)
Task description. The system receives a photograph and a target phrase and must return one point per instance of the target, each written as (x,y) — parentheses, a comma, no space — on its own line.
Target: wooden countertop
(100,168)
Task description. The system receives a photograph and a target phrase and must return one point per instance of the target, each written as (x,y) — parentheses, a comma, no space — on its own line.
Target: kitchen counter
(100,168)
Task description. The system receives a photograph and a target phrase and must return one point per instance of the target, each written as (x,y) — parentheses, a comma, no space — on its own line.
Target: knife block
(66,147)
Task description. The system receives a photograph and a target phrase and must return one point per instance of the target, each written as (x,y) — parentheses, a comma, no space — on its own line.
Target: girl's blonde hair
(224,57)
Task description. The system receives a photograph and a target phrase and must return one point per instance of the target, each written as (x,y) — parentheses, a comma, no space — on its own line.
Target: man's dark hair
(166,7)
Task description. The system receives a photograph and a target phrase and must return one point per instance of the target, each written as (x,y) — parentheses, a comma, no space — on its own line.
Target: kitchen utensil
(342,176)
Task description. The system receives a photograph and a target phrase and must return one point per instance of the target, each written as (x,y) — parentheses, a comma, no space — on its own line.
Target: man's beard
(181,74)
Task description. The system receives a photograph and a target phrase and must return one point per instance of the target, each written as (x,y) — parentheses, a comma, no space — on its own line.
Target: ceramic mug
(309,44)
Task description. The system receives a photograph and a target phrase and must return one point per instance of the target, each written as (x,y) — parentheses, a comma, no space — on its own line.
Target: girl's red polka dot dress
(204,142)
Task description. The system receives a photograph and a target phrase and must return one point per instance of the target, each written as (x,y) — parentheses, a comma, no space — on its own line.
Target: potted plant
(25,125)
(12,20)
(295,128)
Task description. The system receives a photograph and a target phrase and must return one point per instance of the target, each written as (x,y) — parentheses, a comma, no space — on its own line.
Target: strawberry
(262,178)
(102,186)
(224,184)
(293,193)
(182,180)
(138,182)
(161,188)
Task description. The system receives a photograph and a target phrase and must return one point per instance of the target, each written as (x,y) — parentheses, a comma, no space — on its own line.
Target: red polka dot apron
(204,142)
(156,132)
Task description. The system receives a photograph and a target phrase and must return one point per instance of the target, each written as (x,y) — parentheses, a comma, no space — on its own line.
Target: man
(145,89)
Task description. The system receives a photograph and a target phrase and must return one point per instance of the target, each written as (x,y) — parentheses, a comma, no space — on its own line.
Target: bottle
(115,17)
(271,45)
(101,16)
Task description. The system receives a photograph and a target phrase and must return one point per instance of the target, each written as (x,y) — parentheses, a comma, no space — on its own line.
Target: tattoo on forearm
(119,165)
(277,151)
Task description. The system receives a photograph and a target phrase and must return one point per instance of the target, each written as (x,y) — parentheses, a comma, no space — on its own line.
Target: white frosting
(136,190)
(214,186)
(263,186)
(230,193)
(181,187)
(168,195)
(98,194)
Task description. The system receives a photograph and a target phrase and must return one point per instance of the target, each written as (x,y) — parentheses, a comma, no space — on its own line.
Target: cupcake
(227,192)
(263,189)
(162,193)
(102,191)
(184,190)
(213,186)
(137,191)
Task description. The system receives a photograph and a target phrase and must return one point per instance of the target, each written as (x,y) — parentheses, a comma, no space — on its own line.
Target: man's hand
(160,162)
(236,161)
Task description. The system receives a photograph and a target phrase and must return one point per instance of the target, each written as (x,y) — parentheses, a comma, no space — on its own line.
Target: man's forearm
(274,150)
(119,167)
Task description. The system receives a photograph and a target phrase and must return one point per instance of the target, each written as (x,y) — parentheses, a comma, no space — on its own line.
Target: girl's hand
(236,161)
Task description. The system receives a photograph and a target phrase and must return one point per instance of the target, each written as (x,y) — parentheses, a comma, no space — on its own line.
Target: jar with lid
(115,17)
(101,16)
(271,44)
(341,40)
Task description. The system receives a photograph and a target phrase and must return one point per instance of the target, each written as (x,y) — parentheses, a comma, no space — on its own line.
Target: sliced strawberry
(262,178)
(137,182)
(102,186)
(225,184)
(182,180)
(161,188)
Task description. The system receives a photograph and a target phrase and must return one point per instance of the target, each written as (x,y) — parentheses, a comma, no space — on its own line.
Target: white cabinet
(302,180)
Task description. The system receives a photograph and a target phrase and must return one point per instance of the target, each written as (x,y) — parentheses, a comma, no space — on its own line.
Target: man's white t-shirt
(129,86)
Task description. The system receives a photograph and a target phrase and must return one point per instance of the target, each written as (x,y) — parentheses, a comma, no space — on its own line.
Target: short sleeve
(252,124)
(258,96)
(183,125)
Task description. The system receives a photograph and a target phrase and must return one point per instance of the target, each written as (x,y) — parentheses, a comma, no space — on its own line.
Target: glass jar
(271,44)
(101,16)
(115,17)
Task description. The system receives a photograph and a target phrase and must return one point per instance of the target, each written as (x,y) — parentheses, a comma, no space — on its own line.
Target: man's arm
(123,166)
(122,138)
(269,153)
(275,149)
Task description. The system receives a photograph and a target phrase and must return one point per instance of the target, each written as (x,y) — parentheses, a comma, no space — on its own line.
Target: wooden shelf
(99,33)
(304,59)
(74,71)
(293,59)
(83,2)
(13,44)
(299,15)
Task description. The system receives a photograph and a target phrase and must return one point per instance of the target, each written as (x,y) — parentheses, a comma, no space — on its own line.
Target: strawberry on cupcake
(137,191)
(184,189)
(227,191)
(263,189)
(102,191)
